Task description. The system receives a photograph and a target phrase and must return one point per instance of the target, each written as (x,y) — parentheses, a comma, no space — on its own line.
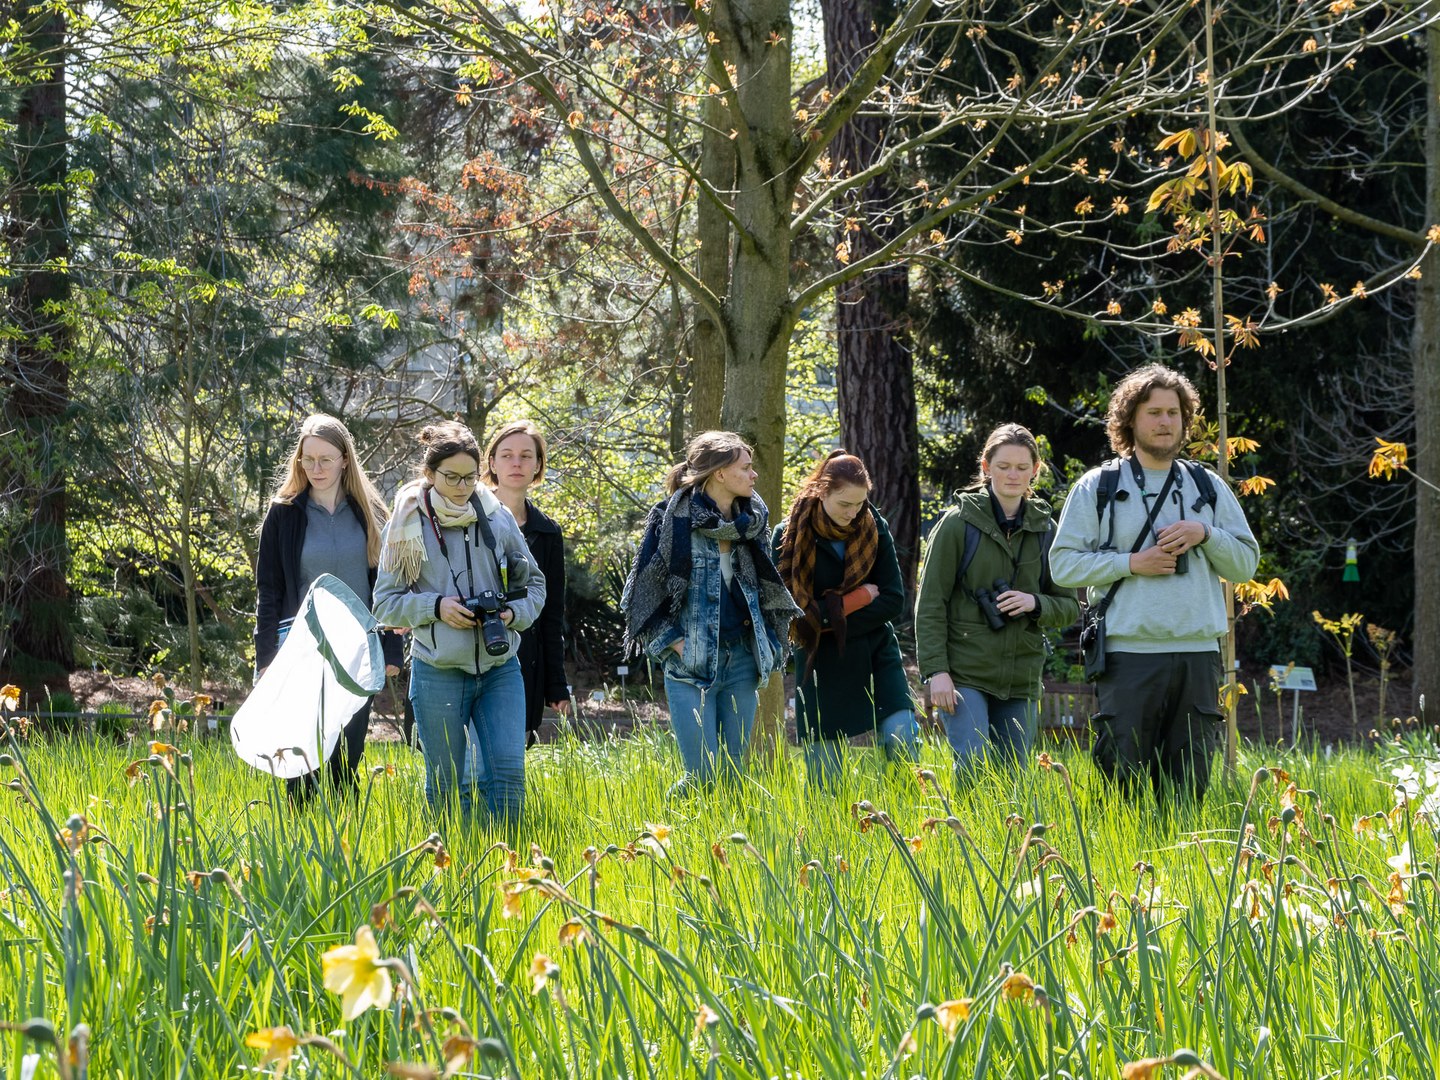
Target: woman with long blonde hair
(325,517)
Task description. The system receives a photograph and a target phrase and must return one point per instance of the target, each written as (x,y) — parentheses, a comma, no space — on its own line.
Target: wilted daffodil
(357,974)
(951,1014)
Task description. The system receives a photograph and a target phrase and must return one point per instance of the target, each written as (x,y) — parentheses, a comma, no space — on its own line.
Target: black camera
(485,609)
(986,598)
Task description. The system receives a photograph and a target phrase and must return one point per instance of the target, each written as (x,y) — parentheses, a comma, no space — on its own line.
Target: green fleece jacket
(1174,613)
(950,630)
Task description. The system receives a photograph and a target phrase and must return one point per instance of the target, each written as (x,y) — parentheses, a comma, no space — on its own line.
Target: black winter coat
(850,694)
(278,588)
(542,645)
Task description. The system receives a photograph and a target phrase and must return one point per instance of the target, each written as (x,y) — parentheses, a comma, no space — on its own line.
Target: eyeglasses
(310,464)
(457,479)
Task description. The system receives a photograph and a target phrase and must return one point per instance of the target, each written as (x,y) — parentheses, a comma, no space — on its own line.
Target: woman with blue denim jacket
(704,600)
(456,570)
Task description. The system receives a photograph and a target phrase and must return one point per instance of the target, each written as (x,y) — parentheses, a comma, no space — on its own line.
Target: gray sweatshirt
(1173,613)
(442,646)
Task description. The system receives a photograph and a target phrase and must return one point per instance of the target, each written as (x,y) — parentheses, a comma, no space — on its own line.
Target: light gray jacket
(415,606)
(1173,613)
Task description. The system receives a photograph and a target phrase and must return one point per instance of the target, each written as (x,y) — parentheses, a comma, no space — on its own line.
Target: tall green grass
(1034,925)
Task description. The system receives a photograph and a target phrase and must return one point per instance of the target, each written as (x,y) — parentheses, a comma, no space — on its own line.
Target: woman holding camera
(515,462)
(704,601)
(455,569)
(985,597)
(325,518)
(836,556)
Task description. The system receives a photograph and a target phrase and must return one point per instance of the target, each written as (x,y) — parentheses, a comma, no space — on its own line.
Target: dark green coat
(950,631)
(850,694)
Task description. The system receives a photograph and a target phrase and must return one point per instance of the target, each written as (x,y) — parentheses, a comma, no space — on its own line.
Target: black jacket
(542,645)
(278,588)
(849,694)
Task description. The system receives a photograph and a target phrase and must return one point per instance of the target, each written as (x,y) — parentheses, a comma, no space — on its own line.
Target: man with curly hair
(1150,536)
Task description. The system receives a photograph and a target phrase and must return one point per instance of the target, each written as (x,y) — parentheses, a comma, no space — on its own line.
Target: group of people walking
(465,564)
(475,572)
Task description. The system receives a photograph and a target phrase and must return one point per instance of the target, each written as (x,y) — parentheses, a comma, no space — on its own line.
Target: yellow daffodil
(9,697)
(542,970)
(656,838)
(951,1014)
(355,972)
(1018,987)
(1144,1069)
(278,1043)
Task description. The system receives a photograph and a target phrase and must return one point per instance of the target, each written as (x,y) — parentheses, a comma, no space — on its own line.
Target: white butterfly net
(328,664)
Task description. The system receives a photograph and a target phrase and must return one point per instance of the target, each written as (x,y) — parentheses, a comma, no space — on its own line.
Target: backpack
(972,545)
(1110,484)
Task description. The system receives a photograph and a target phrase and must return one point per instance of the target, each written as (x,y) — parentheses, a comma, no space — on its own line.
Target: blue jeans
(983,727)
(898,735)
(712,725)
(492,706)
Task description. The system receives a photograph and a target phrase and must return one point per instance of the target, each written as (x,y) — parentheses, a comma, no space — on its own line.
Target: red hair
(837,469)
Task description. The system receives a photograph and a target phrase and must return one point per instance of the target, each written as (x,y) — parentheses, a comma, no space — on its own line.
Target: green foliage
(1290,634)
(889,927)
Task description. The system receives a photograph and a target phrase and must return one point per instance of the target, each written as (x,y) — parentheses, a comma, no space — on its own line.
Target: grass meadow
(167,914)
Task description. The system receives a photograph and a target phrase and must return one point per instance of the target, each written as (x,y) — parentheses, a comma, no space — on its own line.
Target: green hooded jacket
(950,630)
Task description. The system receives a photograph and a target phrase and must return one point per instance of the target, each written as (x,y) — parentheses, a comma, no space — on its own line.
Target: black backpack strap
(1047,584)
(972,545)
(1204,485)
(1104,495)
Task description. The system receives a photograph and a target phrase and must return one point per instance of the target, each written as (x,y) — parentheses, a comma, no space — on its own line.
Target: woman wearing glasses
(455,569)
(515,463)
(325,518)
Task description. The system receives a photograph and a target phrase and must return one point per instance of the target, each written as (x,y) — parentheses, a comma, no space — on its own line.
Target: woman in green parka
(985,598)
(837,558)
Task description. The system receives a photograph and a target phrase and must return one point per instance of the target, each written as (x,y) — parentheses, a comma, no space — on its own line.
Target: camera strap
(1138,472)
(483,533)
(1097,611)
(445,549)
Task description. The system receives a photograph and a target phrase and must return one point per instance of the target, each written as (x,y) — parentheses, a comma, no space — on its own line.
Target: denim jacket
(698,623)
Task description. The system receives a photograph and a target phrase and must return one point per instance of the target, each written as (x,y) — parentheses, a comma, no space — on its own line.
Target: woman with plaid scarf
(837,558)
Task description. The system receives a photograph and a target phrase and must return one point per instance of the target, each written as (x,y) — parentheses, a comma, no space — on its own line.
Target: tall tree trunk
(759,315)
(876,372)
(758,312)
(1425,352)
(717,169)
(35,384)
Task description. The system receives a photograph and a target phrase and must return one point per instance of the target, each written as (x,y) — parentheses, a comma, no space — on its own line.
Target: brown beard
(1167,455)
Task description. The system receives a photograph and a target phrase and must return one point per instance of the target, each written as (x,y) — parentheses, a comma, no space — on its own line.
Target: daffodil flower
(1401,862)
(951,1014)
(357,974)
(278,1043)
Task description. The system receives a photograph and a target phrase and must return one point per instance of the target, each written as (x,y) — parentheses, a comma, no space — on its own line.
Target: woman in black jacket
(514,463)
(325,518)
(837,558)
